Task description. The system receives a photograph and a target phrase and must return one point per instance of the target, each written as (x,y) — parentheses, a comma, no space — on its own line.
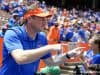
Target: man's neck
(31,32)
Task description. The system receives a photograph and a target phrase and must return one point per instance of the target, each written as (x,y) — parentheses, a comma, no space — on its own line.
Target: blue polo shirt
(96,59)
(17,38)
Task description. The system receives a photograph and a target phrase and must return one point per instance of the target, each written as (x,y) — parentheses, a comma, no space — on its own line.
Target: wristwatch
(67,56)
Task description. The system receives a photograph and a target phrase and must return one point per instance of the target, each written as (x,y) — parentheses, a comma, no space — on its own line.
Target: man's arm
(28,56)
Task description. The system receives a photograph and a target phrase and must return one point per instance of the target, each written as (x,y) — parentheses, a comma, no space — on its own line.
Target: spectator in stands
(66,33)
(83,33)
(24,46)
(5,6)
(3,30)
(43,5)
(92,56)
(54,34)
(95,45)
(14,3)
(14,20)
(75,37)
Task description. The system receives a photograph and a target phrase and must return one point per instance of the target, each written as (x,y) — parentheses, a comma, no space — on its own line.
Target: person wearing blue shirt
(3,30)
(14,20)
(43,4)
(95,45)
(0,1)
(96,59)
(5,6)
(1,34)
(21,10)
(92,56)
(82,34)
(24,46)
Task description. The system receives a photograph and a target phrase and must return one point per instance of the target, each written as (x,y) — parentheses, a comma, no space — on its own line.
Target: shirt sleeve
(46,56)
(12,41)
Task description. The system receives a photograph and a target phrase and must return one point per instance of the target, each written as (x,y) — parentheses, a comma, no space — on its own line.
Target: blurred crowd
(72,24)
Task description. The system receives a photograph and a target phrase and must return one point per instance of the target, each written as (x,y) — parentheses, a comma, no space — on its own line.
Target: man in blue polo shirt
(25,45)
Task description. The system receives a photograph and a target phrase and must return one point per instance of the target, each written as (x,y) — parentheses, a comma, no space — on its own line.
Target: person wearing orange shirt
(54,34)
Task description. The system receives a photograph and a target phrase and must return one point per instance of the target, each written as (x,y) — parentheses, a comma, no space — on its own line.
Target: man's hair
(15,16)
(24,21)
(96,38)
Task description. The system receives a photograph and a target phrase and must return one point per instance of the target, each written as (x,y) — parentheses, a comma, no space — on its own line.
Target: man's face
(38,23)
(93,46)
